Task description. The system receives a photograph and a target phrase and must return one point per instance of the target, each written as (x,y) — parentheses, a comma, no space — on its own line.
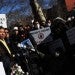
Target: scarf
(4,43)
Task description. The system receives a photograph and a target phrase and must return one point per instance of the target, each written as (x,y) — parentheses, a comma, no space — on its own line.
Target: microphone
(30,48)
(25,47)
(21,46)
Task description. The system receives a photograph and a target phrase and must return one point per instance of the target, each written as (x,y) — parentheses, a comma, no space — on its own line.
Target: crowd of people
(9,40)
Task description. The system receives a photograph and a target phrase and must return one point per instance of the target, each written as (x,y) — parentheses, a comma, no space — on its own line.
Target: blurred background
(22,11)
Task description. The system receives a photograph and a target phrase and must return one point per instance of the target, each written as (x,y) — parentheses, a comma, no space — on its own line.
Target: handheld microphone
(25,47)
(21,46)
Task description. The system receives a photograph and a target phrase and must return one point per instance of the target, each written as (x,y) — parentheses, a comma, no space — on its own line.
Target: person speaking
(5,53)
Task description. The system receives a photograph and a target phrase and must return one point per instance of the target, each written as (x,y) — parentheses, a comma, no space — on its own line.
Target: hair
(7,29)
(1,27)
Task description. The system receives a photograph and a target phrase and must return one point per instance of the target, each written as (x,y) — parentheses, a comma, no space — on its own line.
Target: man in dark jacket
(5,53)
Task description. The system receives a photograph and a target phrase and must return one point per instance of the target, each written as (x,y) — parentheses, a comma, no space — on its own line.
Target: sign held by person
(71,35)
(3,20)
(2,71)
(41,34)
(56,45)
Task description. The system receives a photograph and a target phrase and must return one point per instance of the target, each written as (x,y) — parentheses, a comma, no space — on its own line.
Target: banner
(3,20)
(57,44)
(41,35)
(71,35)
(2,71)
(70,4)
